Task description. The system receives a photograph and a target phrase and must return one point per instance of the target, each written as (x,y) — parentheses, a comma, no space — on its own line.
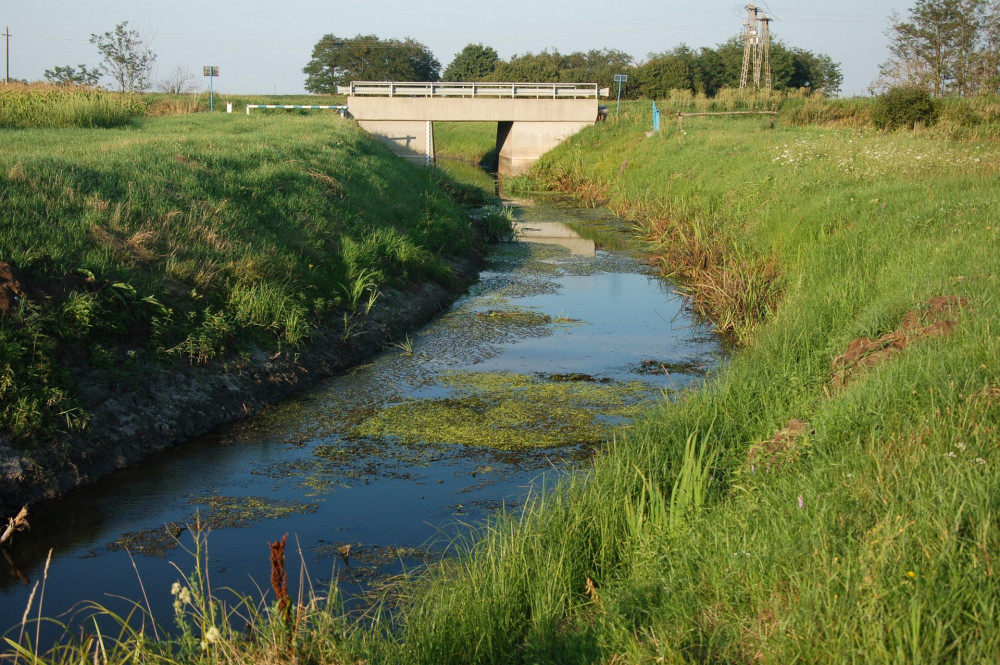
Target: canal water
(564,338)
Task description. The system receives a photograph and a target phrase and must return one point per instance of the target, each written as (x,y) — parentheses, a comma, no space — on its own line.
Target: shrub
(904,106)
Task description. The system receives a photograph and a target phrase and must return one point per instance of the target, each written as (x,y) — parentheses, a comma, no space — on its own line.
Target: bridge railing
(444,89)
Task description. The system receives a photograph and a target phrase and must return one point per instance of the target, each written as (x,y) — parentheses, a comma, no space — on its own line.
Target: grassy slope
(466,141)
(870,539)
(193,237)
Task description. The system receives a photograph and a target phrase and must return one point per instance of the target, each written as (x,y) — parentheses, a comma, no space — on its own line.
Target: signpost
(211,73)
(621,78)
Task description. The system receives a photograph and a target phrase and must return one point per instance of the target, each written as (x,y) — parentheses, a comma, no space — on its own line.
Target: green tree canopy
(128,59)
(70,75)
(674,70)
(945,46)
(338,61)
(475,62)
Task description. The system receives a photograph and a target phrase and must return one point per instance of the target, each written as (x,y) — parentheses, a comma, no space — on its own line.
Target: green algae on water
(509,411)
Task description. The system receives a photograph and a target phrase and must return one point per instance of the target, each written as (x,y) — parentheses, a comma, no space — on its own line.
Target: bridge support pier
(411,139)
(520,144)
(527,127)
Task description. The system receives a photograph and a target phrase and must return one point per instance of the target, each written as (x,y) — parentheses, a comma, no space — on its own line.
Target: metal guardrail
(443,89)
(342,109)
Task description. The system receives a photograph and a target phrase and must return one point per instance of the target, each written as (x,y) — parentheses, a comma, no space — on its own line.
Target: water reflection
(556,233)
(317,468)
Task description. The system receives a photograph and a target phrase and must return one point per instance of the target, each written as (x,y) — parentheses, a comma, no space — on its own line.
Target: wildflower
(960,445)
(184,596)
(911,574)
(212,635)
(175,588)
(800,502)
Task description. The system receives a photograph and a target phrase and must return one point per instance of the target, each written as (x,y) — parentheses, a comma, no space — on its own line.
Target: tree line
(946,47)
(338,61)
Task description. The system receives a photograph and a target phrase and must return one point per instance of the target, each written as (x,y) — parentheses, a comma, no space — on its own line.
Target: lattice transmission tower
(749,43)
(756,48)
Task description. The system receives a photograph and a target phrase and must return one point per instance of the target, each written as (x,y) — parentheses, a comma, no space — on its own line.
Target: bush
(904,107)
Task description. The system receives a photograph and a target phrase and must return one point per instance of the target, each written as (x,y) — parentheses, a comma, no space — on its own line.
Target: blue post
(656,118)
(619,106)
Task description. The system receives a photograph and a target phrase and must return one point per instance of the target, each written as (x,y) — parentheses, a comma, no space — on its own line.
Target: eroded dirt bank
(154,409)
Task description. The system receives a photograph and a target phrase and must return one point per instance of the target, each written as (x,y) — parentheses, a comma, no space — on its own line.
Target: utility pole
(6,34)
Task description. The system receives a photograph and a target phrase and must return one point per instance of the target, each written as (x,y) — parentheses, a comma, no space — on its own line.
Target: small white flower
(175,588)
(951,454)
(960,445)
(212,635)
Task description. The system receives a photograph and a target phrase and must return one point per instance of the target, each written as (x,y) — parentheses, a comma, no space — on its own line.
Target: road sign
(620,78)
(211,72)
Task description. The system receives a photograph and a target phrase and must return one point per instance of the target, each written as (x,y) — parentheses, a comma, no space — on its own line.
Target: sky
(261,48)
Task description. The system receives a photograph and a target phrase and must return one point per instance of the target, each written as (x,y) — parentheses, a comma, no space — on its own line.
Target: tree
(70,75)
(337,61)
(475,62)
(941,47)
(128,59)
(663,72)
(530,68)
(815,72)
(181,81)
(596,66)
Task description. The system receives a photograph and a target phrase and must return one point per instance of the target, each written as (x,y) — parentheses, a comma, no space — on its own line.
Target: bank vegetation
(829,495)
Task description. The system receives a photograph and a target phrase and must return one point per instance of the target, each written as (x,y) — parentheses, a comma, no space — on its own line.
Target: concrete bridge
(531,118)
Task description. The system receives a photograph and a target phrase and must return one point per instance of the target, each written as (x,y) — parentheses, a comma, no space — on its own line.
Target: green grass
(197,236)
(40,105)
(868,539)
(871,538)
(467,141)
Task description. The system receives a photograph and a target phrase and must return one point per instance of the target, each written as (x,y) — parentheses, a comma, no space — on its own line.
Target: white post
(229,107)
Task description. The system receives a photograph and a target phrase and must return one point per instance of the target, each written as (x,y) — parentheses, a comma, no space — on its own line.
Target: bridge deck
(444,89)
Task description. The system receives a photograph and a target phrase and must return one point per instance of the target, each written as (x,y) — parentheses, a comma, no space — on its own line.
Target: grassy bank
(473,142)
(795,508)
(830,495)
(192,239)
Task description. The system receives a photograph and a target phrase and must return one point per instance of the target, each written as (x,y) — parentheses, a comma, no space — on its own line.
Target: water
(393,458)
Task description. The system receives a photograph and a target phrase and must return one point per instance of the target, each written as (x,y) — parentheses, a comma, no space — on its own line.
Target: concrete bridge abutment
(526,128)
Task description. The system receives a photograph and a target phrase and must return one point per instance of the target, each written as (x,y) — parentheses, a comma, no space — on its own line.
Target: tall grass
(867,538)
(42,105)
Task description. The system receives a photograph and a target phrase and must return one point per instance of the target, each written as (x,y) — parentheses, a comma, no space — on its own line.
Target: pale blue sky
(262,47)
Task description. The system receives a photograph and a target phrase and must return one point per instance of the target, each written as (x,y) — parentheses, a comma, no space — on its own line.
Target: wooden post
(680,120)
